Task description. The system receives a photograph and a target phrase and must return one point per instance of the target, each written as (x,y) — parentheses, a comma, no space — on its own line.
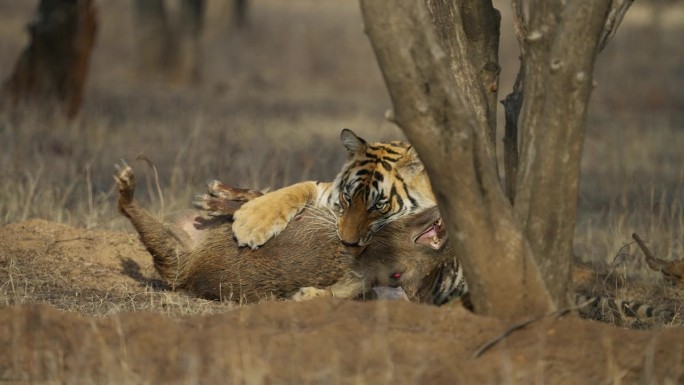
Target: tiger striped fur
(621,312)
(379,183)
(440,279)
(447,283)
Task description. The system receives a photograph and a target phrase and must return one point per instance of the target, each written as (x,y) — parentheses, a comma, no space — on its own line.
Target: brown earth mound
(328,341)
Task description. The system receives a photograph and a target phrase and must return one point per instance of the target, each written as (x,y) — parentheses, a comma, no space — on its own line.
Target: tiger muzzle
(353,248)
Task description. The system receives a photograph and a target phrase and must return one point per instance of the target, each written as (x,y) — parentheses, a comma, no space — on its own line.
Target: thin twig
(156,182)
(32,188)
(89,191)
(612,264)
(522,324)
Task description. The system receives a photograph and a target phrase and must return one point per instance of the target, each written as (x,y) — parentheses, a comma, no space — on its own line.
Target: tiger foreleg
(266,216)
(308,293)
(351,285)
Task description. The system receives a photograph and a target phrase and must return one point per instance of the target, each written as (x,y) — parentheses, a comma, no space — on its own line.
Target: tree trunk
(472,48)
(558,67)
(240,13)
(188,42)
(444,127)
(52,70)
(439,63)
(153,38)
(168,50)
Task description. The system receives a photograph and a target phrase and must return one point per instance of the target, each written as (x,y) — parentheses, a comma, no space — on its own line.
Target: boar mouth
(432,236)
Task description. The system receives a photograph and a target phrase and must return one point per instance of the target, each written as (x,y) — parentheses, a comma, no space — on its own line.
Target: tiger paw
(261,219)
(308,293)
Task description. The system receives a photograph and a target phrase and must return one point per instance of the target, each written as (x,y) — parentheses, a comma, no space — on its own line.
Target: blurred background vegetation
(269,93)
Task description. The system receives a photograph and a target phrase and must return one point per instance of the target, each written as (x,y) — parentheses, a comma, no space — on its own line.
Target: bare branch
(673,271)
(482,26)
(468,31)
(653,262)
(617,12)
(522,324)
(519,23)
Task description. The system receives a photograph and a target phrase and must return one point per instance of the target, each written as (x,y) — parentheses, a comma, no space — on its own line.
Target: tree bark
(472,48)
(188,43)
(446,130)
(52,70)
(512,105)
(170,49)
(153,38)
(561,45)
(438,62)
(240,13)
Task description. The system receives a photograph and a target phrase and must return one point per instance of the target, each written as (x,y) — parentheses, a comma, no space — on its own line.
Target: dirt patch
(99,274)
(92,272)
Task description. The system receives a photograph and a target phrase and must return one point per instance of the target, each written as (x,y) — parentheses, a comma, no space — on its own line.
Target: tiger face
(380,182)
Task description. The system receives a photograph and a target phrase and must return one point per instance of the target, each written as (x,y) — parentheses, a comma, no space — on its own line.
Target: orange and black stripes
(380,182)
(374,176)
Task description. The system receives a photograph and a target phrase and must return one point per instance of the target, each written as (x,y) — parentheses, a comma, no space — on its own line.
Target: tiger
(443,283)
(379,183)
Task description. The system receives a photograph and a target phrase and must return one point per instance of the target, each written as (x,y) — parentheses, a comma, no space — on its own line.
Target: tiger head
(379,183)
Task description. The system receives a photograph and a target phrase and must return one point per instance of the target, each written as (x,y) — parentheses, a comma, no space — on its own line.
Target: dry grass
(269,110)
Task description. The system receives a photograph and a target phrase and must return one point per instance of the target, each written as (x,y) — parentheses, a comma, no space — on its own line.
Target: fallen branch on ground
(558,313)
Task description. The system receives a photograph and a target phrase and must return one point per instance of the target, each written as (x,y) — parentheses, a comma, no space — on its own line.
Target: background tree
(52,69)
(439,61)
(240,13)
(153,39)
(169,45)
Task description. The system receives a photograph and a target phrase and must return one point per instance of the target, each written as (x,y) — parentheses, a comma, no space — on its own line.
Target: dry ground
(102,273)
(267,113)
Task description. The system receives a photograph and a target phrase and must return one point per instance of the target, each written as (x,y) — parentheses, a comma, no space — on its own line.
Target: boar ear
(352,143)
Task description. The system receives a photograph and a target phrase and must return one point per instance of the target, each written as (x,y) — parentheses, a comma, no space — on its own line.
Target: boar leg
(163,243)
(222,199)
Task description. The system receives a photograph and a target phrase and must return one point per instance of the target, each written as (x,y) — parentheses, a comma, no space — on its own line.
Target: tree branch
(522,324)
(519,24)
(468,31)
(618,9)
(443,127)
(482,26)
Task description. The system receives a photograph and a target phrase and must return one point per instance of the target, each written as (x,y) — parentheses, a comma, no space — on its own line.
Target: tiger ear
(352,143)
(410,162)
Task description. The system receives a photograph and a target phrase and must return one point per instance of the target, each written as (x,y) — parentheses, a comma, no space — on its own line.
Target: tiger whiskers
(322,215)
(324,218)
